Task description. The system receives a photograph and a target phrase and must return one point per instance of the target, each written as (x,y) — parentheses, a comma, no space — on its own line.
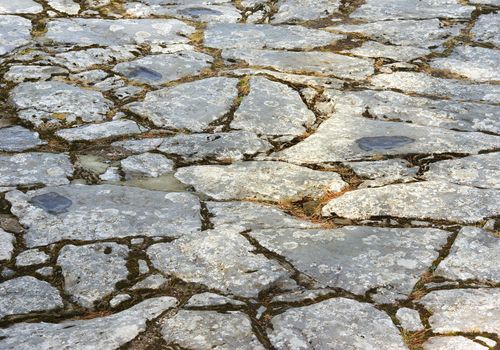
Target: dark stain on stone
(52,202)
(199,11)
(145,73)
(383,142)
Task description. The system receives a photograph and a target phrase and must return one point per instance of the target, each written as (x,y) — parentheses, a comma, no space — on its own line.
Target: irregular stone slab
(155,281)
(211,299)
(262,36)
(290,11)
(272,108)
(464,310)
(271,181)
(475,63)
(18,139)
(27,294)
(201,11)
(206,330)
(93,132)
(7,241)
(481,170)
(160,69)
(94,31)
(358,258)
(31,257)
(19,74)
(472,256)
(139,146)
(117,300)
(65,6)
(147,164)
(486,29)
(486,2)
(335,324)
(491,343)
(252,216)
(379,10)
(221,259)
(422,200)
(12,39)
(453,342)
(410,319)
(109,332)
(397,53)
(35,168)
(53,101)
(394,168)
(421,83)
(106,211)
(192,106)
(305,62)
(91,271)
(427,34)
(19,6)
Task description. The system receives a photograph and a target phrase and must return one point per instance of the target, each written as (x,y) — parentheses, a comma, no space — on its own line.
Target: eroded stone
(93,132)
(17,139)
(147,164)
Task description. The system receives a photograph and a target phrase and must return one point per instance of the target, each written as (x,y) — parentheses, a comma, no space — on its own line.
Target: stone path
(250,174)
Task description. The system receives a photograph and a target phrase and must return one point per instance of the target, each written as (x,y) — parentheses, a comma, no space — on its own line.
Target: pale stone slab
(147,164)
(69,7)
(290,11)
(21,73)
(17,139)
(31,257)
(93,132)
(19,7)
(7,241)
(486,29)
(15,31)
(453,342)
(410,319)
(211,299)
(398,53)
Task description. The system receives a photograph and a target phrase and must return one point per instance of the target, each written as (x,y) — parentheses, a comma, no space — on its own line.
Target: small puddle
(383,142)
(52,202)
(145,73)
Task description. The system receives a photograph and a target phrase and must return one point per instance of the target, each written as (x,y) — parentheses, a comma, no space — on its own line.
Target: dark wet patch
(52,202)
(383,142)
(199,11)
(145,73)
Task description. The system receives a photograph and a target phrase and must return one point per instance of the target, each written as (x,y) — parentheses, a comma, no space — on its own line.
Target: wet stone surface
(249,174)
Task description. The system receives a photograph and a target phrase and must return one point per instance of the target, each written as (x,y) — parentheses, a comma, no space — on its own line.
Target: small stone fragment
(18,74)
(147,164)
(7,241)
(211,299)
(155,281)
(410,319)
(65,6)
(31,257)
(117,300)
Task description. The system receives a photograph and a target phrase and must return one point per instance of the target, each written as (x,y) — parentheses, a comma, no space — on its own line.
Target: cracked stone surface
(409,319)
(19,7)
(7,241)
(454,342)
(99,131)
(17,138)
(147,164)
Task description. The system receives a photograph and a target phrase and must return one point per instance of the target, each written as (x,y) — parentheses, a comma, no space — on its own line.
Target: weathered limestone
(93,132)
(19,74)
(335,324)
(106,211)
(410,319)
(486,29)
(453,342)
(202,11)
(7,241)
(290,11)
(398,53)
(147,164)
(155,281)
(12,39)
(383,172)
(69,7)
(80,60)
(31,257)
(271,181)
(211,299)
(19,7)
(17,139)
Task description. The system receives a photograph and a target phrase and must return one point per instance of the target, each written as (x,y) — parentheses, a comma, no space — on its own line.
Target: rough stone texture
(433,200)
(17,139)
(147,164)
(272,108)
(453,342)
(92,132)
(109,332)
(19,74)
(155,281)
(397,53)
(12,39)
(200,11)
(191,106)
(210,330)
(335,324)
(472,256)
(90,272)
(19,7)
(27,294)
(290,11)
(160,69)
(211,299)
(486,29)
(464,310)
(31,257)
(7,241)
(35,168)
(410,319)
(106,211)
(221,259)
(65,6)
(271,181)
(53,102)
(383,172)
(358,258)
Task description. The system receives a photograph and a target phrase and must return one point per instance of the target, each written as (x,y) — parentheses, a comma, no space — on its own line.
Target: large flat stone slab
(335,324)
(358,258)
(394,52)
(271,181)
(290,11)
(433,200)
(452,342)
(69,7)
(486,29)
(220,259)
(104,211)
(19,7)
(17,139)
(12,39)
(199,11)
(109,332)
(104,130)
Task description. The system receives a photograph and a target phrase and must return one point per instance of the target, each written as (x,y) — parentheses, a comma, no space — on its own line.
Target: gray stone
(35,168)
(486,29)
(93,132)
(141,145)
(17,139)
(27,294)
(265,36)
(160,69)
(106,211)
(392,169)
(220,259)
(91,271)
(142,264)
(147,164)
(109,332)
(111,175)
(422,200)
(472,256)
(117,300)
(31,257)
(326,63)
(155,281)
(18,74)
(335,324)
(272,108)
(452,342)
(7,241)
(12,39)
(487,341)
(397,53)
(475,63)
(358,258)
(301,295)
(290,11)
(46,271)
(211,299)
(65,6)
(205,330)
(421,83)
(271,181)
(53,101)
(464,310)
(97,31)
(19,7)
(481,170)
(409,319)
(191,106)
